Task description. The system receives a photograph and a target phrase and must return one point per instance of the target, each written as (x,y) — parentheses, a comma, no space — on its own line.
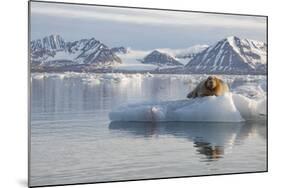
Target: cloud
(152,17)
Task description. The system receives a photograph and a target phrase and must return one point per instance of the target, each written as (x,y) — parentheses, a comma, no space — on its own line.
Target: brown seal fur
(209,87)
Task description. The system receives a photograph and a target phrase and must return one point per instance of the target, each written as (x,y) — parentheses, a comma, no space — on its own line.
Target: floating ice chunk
(61,76)
(108,76)
(250,90)
(115,77)
(91,80)
(55,75)
(250,108)
(38,76)
(148,75)
(208,109)
(74,75)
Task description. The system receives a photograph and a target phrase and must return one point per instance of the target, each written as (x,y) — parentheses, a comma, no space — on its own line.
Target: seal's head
(211,82)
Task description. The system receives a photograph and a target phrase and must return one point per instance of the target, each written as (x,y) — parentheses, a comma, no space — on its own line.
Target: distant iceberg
(227,108)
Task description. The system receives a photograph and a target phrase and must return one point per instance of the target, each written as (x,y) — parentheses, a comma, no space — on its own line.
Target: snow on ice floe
(250,108)
(227,108)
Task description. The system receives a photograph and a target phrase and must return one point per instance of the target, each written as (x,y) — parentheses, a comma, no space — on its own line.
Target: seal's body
(209,87)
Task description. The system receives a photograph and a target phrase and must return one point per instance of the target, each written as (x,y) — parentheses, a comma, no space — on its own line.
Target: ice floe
(227,108)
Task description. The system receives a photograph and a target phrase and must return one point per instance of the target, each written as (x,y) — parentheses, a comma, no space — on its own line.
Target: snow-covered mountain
(52,42)
(161,59)
(53,53)
(157,60)
(231,55)
(121,50)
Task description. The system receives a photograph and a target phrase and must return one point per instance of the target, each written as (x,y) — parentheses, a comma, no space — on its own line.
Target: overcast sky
(138,28)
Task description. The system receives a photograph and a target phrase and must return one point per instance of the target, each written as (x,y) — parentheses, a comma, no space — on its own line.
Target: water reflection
(209,139)
(211,152)
(54,94)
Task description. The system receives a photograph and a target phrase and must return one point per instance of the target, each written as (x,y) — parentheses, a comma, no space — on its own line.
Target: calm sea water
(73,140)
